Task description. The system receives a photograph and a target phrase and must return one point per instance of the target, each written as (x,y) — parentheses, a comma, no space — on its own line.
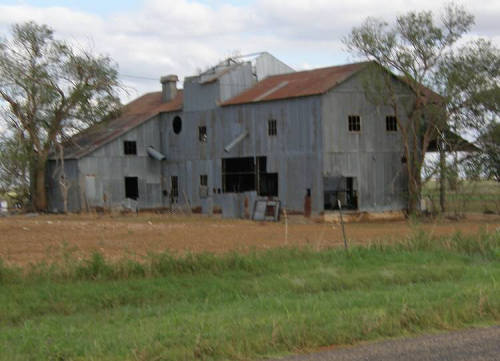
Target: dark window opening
(132,187)
(177,125)
(238,174)
(391,123)
(130,147)
(248,174)
(343,189)
(203,180)
(272,129)
(354,123)
(174,186)
(203,185)
(202,134)
(268,184)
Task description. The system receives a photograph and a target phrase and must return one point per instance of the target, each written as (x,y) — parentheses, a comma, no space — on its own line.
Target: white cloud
(181,36)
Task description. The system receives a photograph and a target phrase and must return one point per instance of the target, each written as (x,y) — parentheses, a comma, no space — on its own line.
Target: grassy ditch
(240,307)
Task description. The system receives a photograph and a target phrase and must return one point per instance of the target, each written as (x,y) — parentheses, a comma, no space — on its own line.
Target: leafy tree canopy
(453,85)
(49,90)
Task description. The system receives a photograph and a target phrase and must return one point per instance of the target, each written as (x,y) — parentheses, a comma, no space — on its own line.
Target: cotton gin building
(239,133)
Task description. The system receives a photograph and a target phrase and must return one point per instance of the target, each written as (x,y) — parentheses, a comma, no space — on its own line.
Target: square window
(202,134)
(272,129)
(391,123)
(354,123)
(130,147)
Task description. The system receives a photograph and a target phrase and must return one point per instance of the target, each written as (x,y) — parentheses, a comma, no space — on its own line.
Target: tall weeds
(97,267)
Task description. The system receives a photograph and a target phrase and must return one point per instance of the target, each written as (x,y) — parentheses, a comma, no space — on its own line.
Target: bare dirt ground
(25,239)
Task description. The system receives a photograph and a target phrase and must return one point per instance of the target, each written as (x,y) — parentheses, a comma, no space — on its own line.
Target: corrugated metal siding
(312,142)
(372,155)
(198,97)
(54,195)
(109,165)
(294,153)
(234,82)
(267,65)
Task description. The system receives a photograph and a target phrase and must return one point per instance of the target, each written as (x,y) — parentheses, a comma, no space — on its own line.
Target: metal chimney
(169,87)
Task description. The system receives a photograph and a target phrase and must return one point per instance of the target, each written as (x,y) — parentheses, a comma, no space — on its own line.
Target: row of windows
(354,123)
(132,187)
(272,129)
(174,186)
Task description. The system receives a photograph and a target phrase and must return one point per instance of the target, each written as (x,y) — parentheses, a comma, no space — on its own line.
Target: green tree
(14,168)
(446,88)
(486,163)
(50,89)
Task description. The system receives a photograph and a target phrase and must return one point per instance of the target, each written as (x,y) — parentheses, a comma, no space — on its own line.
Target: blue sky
(151,38)
(106,7)
(103,7)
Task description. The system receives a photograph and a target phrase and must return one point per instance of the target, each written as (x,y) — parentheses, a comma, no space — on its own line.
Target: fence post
(342,223)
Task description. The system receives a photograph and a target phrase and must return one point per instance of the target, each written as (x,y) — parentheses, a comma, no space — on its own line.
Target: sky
(151,38)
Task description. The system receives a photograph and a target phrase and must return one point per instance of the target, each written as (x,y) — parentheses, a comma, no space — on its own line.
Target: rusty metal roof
(297,84)
(133,114)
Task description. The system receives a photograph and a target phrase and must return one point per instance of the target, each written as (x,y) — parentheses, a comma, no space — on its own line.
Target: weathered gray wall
(54,194)
(201,96)
(109,165)
(372,155)
(198,96)
(295,153)
(267,65)
(312,143)
(235,81)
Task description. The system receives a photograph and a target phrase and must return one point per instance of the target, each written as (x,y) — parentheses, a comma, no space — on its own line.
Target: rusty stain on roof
(133,114)
(297,84)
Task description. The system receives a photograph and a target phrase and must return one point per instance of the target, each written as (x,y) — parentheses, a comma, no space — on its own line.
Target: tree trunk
(414,184)
(40,191)
(442,178)
(413,197)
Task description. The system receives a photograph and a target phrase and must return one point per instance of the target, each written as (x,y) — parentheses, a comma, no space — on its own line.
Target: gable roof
(133,114)
(297,84)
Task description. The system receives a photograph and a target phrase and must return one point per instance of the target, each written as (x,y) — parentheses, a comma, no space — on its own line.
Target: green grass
(240,307)
(469,196)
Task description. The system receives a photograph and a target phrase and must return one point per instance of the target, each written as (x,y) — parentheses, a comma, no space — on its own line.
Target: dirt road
(470,345)
(26,239)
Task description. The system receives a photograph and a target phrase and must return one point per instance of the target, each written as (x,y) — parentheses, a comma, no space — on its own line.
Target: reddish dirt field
(25,239)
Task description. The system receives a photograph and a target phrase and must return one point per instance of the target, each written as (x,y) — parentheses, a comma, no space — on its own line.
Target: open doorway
(132,188)
(248,174)
(343,189)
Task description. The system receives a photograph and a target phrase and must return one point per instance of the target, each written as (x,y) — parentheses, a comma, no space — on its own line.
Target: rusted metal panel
(132,115)
(297,84)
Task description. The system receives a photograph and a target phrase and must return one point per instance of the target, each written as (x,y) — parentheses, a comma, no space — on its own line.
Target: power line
(138,77)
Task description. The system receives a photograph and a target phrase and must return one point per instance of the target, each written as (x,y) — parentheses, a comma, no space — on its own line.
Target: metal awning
(235,141)
(153,153)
